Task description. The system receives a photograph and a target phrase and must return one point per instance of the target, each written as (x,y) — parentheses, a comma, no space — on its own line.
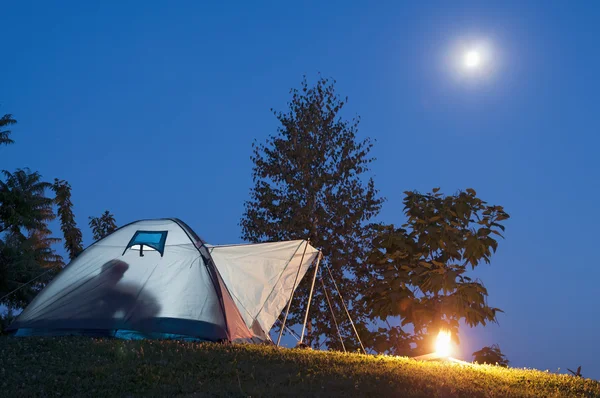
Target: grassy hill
(88,367)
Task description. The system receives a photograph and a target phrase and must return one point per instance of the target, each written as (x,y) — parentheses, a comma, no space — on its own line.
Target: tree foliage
(26,251)
(103,225)
(23,202)
(27,257)
(490,355)
(309,184)
(73,240)
(419,270)
(6,121)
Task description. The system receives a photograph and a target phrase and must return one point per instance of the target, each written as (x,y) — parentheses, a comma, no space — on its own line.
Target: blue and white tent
(158,279)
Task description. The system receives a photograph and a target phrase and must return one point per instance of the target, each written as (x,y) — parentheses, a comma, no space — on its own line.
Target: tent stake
(287,310)
(310,297)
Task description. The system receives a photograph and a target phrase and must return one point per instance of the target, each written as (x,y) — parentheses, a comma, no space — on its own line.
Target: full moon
(472,59)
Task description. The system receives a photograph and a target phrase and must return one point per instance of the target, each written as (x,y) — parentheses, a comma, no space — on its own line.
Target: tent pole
(337,328)
(287,310)
(345,308)
(310,297)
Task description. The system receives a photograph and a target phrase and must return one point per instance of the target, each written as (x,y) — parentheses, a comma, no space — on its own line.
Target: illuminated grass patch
(86,367)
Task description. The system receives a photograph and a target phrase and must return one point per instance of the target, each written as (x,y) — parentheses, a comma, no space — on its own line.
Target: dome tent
(158,279)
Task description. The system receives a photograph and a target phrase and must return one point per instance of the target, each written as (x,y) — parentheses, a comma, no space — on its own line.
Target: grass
(89,367)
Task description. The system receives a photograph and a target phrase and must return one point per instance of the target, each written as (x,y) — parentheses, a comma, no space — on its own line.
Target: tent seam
(216,284)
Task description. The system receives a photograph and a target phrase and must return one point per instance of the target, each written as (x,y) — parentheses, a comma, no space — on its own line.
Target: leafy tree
(32,262)
(5,121)
(419,271)
(73,240)
(309,184)
(23,203)
(27,259)
(490,355)
(103,225)
(25,243)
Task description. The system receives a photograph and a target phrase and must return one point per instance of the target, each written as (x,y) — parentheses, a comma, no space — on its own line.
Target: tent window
(148,241)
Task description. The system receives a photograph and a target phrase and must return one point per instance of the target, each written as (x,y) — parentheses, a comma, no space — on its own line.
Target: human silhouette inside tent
(105,302)
(123,302)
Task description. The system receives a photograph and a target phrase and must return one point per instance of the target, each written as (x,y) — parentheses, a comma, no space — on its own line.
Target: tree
(5,121)
(309,184)
(23,203)
(490,355)
(26,252)
(27,263)
(27,257)
(73,240)
(419,271)
(103,225)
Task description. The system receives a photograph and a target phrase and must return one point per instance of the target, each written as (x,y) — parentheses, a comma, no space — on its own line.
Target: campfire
(443,349)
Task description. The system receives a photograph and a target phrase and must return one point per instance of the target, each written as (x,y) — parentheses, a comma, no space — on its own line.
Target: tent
(158,279)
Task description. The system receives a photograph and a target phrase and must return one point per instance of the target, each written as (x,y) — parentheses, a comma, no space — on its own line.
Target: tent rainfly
(158,279)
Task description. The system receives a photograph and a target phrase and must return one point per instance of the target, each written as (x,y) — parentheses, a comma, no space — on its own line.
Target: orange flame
(443,345)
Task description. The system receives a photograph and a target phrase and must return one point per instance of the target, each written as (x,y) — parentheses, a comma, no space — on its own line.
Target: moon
(472,59)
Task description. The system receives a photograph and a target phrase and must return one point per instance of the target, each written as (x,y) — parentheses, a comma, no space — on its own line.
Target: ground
(90,367)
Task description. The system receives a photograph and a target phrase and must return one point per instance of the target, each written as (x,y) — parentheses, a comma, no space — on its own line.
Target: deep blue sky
(149,109)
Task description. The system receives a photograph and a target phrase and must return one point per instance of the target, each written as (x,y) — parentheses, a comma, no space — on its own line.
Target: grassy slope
(80,366)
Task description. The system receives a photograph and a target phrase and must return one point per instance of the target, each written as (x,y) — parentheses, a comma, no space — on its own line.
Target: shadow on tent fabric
(121,301)
(98,306)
